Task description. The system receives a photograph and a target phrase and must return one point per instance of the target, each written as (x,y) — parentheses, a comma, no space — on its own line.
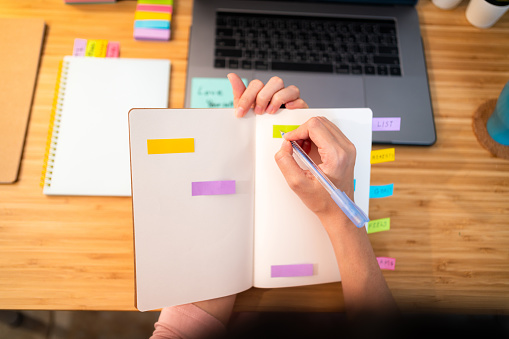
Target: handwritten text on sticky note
(386,263)
(383,155)
(381,191)
(386,124)
(212,93)
(379,225)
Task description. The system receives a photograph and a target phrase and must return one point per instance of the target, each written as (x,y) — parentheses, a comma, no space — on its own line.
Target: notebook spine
(54,125)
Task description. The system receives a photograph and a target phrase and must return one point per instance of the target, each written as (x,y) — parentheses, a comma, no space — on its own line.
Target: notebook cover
(20,43)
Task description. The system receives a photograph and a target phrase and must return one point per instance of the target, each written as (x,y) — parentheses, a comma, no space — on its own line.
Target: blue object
(352,211)
(498,123)
(156,24)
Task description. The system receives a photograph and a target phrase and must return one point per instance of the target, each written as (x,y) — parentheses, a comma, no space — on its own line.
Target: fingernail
(258,109)
(239,112)
(270,109)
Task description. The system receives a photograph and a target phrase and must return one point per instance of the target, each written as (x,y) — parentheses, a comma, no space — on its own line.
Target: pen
(352,211)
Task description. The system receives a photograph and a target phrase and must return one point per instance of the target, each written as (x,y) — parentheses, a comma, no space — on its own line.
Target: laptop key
(356,69)
(386,60)
(343,69)
(388,50)
(233,63)
(224,32)
(395,70)
(219,63)
(232,53)
(382,70)
(303,67)
(261,65)
(225,43)
(246,64)
(369,70)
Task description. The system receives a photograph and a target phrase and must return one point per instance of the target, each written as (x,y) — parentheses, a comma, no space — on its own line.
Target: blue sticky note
(212,93)
(159,24)
(382,191)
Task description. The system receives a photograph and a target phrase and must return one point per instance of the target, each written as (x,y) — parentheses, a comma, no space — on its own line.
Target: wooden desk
(449,213)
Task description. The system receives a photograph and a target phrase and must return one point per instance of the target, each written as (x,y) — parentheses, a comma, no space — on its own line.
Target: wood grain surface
(449,213)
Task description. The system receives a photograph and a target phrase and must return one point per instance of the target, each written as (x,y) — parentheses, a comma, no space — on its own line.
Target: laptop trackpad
(323,90)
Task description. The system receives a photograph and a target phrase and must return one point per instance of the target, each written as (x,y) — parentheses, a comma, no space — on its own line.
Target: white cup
(483,14)
(446,4)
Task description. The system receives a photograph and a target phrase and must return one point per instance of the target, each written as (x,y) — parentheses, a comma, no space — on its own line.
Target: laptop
(341,54)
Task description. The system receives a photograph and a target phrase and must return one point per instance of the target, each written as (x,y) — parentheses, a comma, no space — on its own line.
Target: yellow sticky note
(166,146)
(101,47)
(91,46)
(277,129)
(383,155)
(143,15)
(379,225)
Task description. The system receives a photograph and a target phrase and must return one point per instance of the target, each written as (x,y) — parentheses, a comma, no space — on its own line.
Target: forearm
(364,286)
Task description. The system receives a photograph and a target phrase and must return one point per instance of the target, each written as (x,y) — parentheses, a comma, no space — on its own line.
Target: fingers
(288,166)
(264,98)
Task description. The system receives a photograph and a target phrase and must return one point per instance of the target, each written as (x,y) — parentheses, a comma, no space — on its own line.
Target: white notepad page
(91,153)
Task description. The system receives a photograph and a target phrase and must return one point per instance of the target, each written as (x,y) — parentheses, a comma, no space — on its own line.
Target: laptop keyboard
(306,44)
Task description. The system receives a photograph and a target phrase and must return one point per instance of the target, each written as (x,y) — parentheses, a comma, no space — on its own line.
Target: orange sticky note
(166,146)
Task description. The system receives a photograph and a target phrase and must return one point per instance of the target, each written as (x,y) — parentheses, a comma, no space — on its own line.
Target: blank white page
(91,156)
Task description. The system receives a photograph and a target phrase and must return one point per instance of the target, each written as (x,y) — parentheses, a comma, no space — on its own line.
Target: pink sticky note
(301,270)
(386,124)
(80,46)
(386,263)
(154,8)
(151,34)
(213,187)
(113,50)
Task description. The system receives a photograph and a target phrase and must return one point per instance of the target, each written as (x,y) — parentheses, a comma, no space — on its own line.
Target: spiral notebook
(88,143)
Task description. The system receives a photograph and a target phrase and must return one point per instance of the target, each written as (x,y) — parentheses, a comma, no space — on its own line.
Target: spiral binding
(54,125)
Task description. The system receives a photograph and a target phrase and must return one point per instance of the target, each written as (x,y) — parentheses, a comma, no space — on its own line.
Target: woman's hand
(337,155)
(263,98)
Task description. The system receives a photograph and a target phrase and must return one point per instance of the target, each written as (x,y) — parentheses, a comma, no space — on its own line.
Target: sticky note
(154,8)
(80,46)
(277,129)
(379,225)
(213,187)
(160,24)
(142,15)
(212,93)
(156,2)
(300,270)
(166,146)
(382,191)
(113,50)
(383,155)
(151,34)
(386,263)
(90,51)
(386,124)
(101,47)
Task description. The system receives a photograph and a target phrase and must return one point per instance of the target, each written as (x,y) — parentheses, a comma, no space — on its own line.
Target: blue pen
(352,211)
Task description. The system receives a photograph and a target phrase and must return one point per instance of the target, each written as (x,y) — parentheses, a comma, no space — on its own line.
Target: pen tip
(282,133)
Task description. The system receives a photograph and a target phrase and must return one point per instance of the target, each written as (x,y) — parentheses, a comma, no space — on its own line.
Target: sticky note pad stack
(89,1)
(152,20)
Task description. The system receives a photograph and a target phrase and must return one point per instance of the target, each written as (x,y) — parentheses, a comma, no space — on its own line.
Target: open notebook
(214,216)
(88,152)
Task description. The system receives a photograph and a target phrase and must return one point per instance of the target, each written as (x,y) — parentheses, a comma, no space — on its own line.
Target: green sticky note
(379,225)
(277,129)
(212,93)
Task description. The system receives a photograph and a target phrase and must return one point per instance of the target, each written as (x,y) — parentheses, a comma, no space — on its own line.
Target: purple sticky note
(386,263)
(301,270)
(386,124)
(151,34)
(213,187)
(80,46)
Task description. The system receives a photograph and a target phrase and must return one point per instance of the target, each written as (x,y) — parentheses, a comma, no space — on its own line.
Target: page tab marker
(386,263)
(382,191)
(383,155)
(386,124)
(277,129)
(213,187)
(301,270)
(166,146)
(379,225)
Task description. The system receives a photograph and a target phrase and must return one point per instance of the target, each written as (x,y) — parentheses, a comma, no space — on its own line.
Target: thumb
(292,172)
